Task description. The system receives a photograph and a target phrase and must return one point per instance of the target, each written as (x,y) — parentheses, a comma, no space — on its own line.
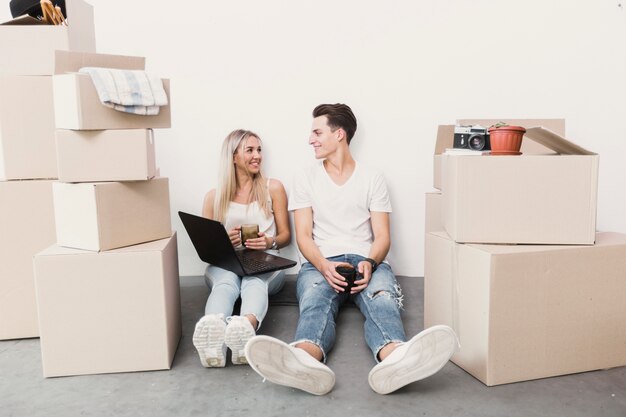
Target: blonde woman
(243,195)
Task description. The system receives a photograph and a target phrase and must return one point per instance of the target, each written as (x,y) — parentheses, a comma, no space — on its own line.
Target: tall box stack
(514,264)
(109,287)
(28,165)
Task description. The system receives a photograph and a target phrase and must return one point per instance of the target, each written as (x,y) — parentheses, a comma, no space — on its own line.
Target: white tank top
(252,213)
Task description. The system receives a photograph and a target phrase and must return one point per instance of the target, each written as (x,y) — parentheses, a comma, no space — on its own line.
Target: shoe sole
(236,339)
(208,339)
(427,353)
(275,361)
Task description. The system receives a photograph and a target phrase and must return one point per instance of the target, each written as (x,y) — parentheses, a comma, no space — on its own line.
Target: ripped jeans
(380,303)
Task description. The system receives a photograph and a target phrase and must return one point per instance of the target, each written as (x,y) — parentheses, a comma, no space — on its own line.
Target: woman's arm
(281,215)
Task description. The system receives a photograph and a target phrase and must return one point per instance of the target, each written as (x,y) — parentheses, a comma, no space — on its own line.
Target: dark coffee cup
(349,273)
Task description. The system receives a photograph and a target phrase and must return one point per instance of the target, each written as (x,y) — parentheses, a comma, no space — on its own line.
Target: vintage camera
(473,137)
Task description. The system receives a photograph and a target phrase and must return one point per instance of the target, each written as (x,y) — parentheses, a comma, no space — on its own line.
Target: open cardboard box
(114,311)
(29,48)
(445,138)
(100,216)
(524,312)
(530,199)
(26,227)
(105,155)
(27,123)
(78,107)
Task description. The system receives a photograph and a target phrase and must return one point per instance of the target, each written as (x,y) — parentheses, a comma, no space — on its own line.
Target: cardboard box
(528,312)
(115,311)
(445,138)
(67,61)
(27,149)
(433,216)
(26,227)
(534,199)
(105,155)
(78,107)
(108,215)
(29,48)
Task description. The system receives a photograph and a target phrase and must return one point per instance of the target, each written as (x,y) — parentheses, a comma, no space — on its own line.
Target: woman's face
(248,155)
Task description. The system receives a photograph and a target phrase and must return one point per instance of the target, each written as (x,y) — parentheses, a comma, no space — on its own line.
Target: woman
(243,196)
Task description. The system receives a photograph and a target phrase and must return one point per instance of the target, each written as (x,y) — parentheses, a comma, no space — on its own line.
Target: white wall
(403,66)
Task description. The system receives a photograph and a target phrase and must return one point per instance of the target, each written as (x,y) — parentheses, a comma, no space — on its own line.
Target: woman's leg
(225,287)
(255,292)
(210,331)
(254,302)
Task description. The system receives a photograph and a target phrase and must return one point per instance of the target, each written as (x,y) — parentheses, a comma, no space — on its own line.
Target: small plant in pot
(505,139)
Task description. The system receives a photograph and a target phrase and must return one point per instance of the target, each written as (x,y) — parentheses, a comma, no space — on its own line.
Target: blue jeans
(226,287)
(380,303)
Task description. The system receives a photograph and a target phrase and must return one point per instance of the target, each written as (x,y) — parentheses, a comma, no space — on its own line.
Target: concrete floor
(188,389)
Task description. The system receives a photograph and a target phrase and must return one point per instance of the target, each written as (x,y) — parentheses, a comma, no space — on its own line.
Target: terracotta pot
(506,140)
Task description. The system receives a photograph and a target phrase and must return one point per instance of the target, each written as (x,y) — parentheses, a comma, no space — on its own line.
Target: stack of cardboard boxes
(107,293)
(513,262)
(28,164)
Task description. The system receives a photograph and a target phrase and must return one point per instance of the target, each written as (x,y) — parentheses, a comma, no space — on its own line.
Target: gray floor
(191,390)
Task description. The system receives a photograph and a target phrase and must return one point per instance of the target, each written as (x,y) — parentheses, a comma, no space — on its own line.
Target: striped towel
(128,91)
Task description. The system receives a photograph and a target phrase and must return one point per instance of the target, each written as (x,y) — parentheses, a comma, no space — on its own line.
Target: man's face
(323,139)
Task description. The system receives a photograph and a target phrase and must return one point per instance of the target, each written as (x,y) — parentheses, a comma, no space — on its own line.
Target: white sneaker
(208,338)
(286,365)
(238,331)
(422,356)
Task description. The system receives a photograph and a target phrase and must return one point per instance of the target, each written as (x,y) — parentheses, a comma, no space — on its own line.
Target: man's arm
(378,250)
(306,244)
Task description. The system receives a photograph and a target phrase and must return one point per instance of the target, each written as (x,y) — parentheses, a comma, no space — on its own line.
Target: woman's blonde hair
(227,177)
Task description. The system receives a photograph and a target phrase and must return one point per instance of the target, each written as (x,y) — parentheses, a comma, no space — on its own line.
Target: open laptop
(214,247)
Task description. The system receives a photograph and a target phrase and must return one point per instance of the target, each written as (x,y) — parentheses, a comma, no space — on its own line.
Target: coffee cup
(249,231)
(349,273)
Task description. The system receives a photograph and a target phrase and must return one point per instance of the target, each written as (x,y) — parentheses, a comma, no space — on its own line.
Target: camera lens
(476,142)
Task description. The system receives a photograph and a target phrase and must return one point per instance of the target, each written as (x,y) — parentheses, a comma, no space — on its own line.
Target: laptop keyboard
(251,264)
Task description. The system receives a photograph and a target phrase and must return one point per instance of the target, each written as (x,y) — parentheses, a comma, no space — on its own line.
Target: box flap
(24,20)
(557,143)
(445,138)
(66,61)
(81,26)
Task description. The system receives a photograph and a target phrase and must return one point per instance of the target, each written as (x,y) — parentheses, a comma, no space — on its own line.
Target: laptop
(213,245)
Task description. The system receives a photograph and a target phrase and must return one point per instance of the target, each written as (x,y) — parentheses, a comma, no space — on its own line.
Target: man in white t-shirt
(341,211)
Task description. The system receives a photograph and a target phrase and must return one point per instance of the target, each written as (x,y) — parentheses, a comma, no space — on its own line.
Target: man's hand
(235,236)
(332,277)
(365,273)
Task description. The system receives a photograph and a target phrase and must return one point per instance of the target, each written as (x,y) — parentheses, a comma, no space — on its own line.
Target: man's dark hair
(339,116)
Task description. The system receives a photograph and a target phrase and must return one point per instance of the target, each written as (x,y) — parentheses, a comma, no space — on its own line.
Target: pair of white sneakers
(422,356)
(214,335)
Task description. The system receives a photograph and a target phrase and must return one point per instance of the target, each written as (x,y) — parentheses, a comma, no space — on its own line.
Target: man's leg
(401,363)
(298,365)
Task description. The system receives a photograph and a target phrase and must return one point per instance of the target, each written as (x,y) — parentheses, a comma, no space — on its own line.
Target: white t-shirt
(341,213)
(252,213)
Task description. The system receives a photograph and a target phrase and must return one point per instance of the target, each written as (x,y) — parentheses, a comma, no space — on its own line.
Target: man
(342,217)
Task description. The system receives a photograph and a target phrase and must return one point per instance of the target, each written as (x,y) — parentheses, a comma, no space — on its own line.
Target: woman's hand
(235,236)
(260,243)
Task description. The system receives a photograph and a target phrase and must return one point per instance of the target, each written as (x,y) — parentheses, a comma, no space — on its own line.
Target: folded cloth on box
(128,90)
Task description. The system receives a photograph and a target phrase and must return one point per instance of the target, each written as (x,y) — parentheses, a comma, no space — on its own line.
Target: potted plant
(505,139)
